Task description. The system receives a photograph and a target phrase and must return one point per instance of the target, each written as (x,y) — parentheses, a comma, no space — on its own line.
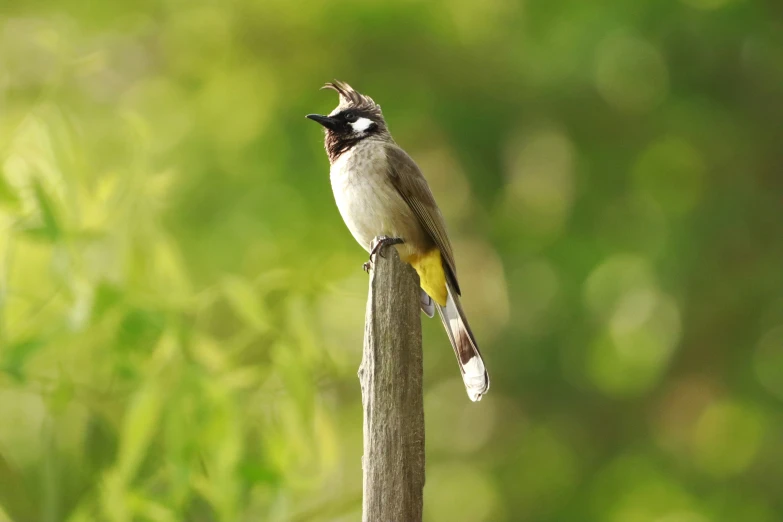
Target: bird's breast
(369,204)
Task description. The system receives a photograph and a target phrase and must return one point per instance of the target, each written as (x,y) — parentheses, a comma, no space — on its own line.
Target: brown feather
(412,186)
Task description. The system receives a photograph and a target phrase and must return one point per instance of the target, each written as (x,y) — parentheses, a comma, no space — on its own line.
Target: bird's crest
(350,97)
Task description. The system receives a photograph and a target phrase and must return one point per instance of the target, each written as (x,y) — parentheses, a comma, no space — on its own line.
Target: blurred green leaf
(50,228)
(140,425)
(8,196)
(15,497)
(140,328)
(15,356)
(107,296)
(246,303)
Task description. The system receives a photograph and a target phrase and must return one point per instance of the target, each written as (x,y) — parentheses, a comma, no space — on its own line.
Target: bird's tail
(426,303)
(468,355)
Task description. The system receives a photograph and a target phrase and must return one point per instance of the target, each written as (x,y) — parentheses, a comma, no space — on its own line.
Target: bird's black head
(357,117)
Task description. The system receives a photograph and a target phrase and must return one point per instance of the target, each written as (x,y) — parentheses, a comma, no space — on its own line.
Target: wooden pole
(391,380)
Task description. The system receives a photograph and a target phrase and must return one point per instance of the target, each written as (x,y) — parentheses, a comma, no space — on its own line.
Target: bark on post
(391,381)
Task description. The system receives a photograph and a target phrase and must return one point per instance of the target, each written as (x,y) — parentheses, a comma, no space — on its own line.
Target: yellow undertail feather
(431,275)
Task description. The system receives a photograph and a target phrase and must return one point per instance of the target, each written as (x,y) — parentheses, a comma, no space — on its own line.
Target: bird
(381,193)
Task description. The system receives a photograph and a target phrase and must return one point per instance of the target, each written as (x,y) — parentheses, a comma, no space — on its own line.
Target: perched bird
(381,192)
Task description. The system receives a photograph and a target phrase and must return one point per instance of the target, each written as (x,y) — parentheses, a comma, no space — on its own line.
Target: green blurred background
(181,306)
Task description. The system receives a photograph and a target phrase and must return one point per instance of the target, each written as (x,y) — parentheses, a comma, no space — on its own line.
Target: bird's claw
(377,246)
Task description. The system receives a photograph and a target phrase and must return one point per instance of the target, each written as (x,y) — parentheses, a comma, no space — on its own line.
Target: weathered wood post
(391,381)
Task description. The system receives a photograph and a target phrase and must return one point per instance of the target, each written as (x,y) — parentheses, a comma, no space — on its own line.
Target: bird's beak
(326,121)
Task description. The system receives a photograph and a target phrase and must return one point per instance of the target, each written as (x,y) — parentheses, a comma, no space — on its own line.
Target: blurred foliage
(181,307)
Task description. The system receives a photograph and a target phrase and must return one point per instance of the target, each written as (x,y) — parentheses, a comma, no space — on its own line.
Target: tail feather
(427,304)
(474,374)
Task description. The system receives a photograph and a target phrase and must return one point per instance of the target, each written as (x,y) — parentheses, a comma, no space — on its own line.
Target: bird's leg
(377,246)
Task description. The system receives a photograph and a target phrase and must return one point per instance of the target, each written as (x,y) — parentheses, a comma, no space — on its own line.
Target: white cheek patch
(362,124)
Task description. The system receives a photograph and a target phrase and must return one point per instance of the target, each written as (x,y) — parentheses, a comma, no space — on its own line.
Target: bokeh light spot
(671,171)
(643,333)
(630,73)
(613,279)
(727,438)
(540,169)
(678,413)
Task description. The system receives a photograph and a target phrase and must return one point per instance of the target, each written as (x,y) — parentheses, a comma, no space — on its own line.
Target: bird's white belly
(368,203)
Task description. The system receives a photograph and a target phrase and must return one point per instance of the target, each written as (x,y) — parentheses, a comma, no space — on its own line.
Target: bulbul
(381,192)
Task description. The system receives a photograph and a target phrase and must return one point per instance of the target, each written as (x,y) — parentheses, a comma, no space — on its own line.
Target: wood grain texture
(391,381)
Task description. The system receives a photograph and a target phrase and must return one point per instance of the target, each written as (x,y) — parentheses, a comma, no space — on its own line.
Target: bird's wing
(410,183)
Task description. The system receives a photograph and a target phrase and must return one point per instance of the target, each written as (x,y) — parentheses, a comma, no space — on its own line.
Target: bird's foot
(377,246)
(381,242)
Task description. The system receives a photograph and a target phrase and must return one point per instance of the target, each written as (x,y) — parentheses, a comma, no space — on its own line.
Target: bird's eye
(350,117)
